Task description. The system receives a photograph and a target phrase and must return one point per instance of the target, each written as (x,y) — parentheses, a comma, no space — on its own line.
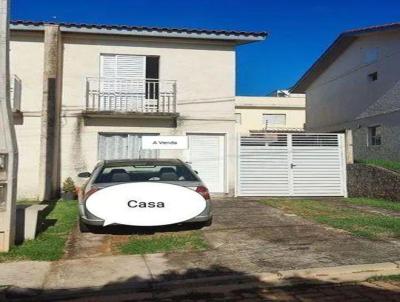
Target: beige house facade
(355,86)
(87,93)
(278,114)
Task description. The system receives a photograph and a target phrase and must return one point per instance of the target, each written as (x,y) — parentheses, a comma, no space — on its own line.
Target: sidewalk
(151,277)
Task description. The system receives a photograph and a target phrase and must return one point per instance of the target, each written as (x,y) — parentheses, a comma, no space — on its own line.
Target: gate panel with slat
(263,166)
(292,165)
(317,165)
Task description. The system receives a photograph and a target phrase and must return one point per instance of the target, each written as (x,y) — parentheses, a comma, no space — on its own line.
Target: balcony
(118,97)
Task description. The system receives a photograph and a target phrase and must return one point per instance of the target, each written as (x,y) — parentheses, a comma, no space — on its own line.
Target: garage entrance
(207,157)
(281,164)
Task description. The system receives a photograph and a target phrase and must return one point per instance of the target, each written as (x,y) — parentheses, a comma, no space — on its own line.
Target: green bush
(69,185)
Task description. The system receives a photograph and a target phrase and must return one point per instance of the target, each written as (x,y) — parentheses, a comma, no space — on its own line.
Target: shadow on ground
(133,230)
(213,284)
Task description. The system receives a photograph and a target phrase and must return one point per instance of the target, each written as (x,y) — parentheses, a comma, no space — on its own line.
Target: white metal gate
(281,164)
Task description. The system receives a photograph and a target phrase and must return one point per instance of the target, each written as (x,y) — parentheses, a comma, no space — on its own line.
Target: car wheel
(208,222)
(200,225)
(83,227)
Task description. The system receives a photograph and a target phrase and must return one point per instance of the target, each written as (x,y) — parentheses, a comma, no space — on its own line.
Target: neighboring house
(270,114)
(89,92)
(355,85)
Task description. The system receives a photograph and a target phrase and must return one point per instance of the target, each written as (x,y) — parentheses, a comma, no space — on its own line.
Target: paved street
(244,288)
(360,292)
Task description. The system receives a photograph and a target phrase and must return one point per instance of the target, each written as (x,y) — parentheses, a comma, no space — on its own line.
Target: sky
(299,31)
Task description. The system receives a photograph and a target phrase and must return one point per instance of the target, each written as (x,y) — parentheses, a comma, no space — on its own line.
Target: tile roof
(145,30)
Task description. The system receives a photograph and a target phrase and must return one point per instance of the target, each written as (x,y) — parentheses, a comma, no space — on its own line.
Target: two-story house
(84,93)
(355,85)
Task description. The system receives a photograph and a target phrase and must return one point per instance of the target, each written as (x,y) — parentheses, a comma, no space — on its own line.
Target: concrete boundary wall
(373,182)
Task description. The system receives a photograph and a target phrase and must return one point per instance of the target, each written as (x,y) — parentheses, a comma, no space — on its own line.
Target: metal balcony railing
(130,95)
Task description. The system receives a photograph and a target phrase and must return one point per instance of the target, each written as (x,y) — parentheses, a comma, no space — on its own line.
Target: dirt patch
(83,245)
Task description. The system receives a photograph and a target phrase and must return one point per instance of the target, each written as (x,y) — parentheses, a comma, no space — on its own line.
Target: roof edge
(163,32)
(338,46)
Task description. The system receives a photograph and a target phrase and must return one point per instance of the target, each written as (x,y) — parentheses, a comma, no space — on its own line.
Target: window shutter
(131,66)
(123,66)
(273,120)
(123,84)
(123,146)
(108,66)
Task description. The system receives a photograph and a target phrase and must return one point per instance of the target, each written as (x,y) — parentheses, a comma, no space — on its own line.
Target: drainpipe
(8,141)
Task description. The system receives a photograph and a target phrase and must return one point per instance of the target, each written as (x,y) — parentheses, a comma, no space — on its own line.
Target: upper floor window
(129,79)
(375,135)
(373,76)
(130,83)
(274,120)
(371,55)
(129,66)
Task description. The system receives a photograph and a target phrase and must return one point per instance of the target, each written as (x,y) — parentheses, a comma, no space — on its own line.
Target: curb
(223,284)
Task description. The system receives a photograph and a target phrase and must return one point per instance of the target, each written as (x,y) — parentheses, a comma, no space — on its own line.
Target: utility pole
(8,141)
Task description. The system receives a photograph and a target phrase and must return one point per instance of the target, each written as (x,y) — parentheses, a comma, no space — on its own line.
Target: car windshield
(146,172)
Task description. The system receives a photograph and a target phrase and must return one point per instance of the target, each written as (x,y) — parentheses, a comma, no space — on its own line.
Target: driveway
(250,237)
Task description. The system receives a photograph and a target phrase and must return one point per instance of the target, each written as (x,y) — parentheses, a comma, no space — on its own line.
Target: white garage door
(207,156)
(292,165)
(123,146)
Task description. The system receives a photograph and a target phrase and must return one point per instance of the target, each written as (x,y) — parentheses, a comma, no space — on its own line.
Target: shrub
(69,185)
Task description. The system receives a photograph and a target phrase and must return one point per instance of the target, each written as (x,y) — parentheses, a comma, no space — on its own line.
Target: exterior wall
(251,110)
(80,136)
(343,92)
(344,98)
(202,71)
(390,147)
(26,61)
(205,75)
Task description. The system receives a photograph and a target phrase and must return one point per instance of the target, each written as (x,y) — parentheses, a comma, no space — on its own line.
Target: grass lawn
(372,226)
(148,244)
(376,203)
(392,165)
(49,244)
(385,278)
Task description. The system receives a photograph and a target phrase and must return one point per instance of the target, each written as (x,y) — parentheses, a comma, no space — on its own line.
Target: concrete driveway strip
(250,237)
(24,274)
(112,271)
